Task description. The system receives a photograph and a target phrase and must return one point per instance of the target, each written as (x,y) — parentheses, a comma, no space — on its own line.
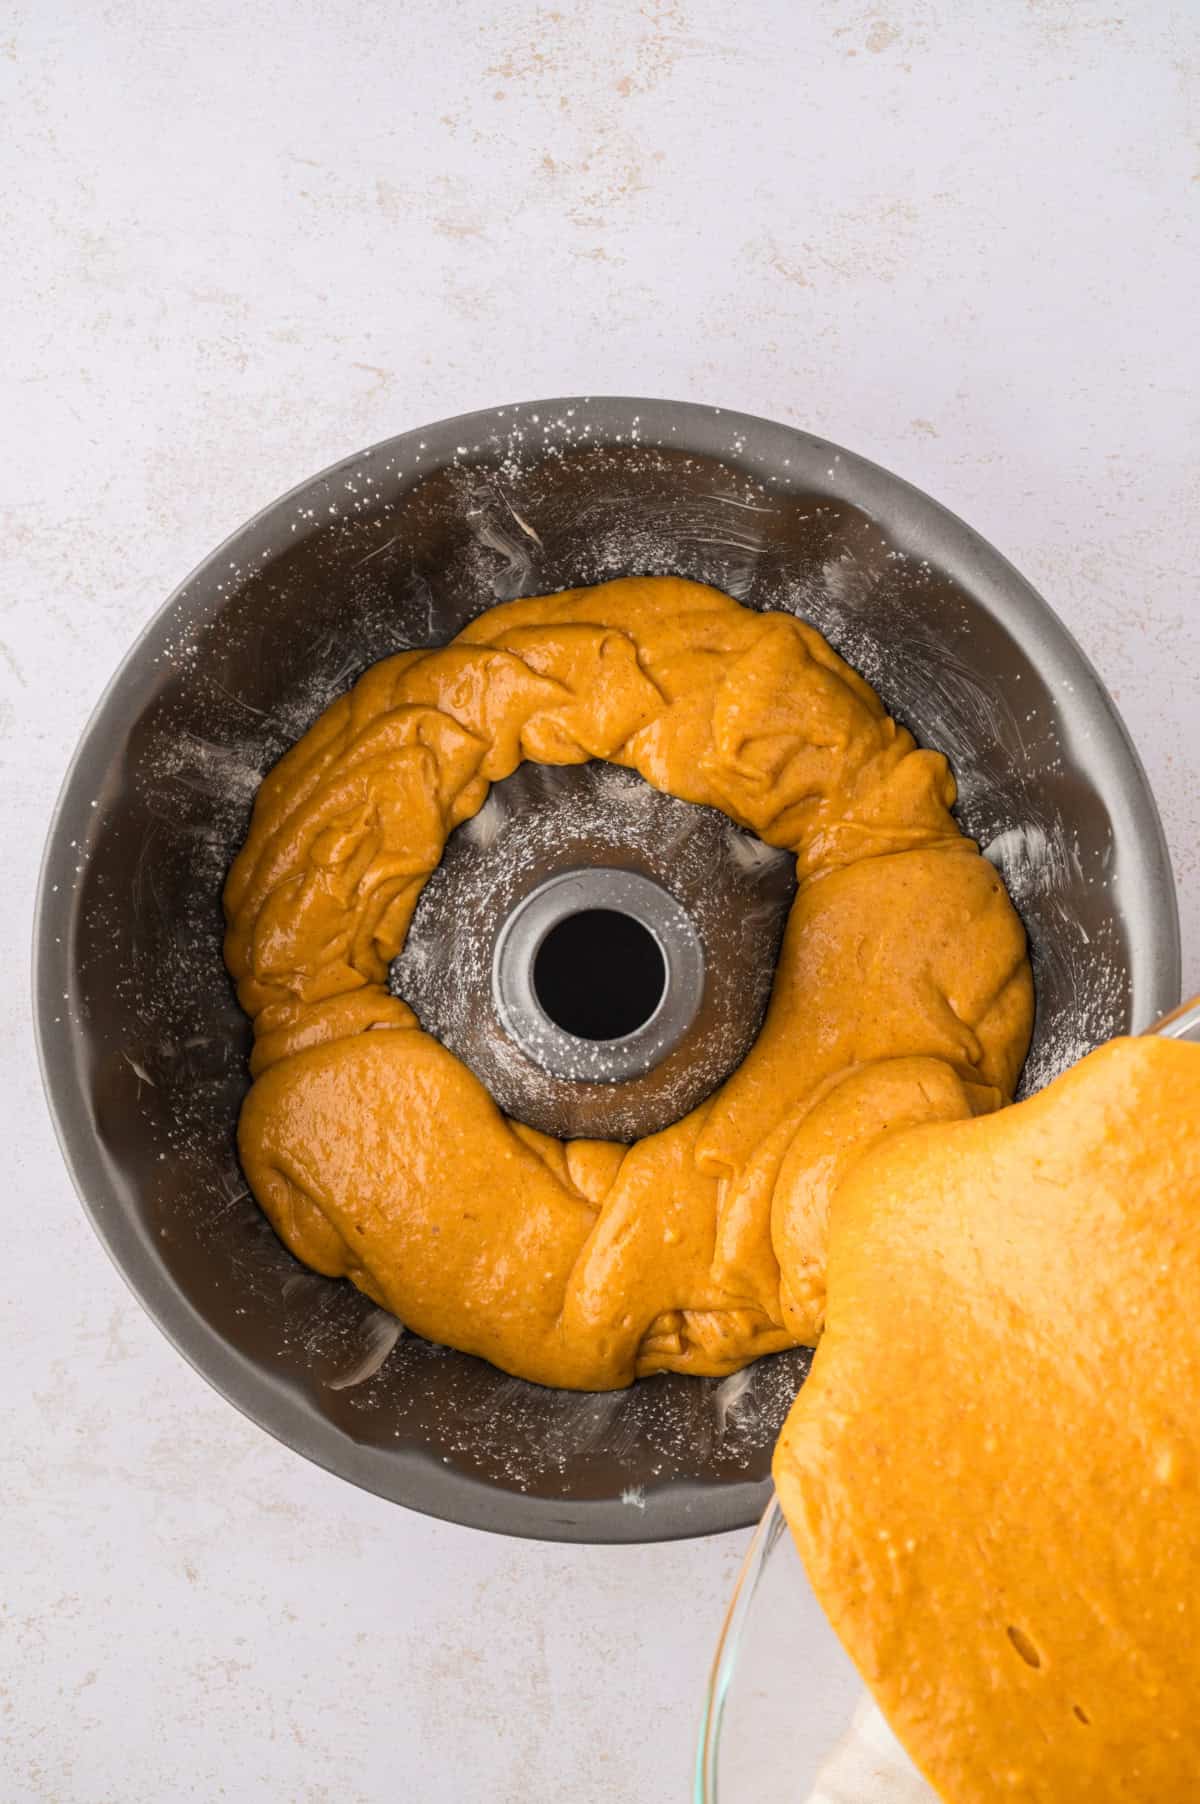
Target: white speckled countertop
(241,241)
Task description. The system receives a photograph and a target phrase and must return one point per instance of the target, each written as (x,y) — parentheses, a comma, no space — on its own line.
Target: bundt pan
(144,1048)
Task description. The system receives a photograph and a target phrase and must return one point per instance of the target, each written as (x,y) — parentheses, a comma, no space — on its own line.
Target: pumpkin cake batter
(993,1471)
(903,991)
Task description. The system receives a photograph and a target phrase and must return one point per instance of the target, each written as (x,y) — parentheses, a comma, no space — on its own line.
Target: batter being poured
(993,1471)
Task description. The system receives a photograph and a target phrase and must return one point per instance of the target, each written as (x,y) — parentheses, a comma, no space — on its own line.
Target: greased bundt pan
(144,1048)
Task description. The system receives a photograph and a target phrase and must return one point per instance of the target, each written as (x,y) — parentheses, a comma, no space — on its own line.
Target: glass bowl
(786,1715)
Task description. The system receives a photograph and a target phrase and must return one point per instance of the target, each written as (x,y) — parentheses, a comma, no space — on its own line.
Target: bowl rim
(756,447)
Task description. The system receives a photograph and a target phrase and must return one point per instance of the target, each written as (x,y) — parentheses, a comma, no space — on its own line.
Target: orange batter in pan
(903,991)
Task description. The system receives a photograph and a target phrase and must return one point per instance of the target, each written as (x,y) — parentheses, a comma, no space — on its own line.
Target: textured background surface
(242,241)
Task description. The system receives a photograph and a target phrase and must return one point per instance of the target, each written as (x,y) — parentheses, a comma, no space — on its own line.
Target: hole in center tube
(599,974)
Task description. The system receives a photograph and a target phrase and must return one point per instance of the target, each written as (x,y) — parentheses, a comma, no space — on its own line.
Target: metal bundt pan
(143,1046)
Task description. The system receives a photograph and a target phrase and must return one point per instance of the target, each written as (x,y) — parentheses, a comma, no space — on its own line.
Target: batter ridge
(903,992)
